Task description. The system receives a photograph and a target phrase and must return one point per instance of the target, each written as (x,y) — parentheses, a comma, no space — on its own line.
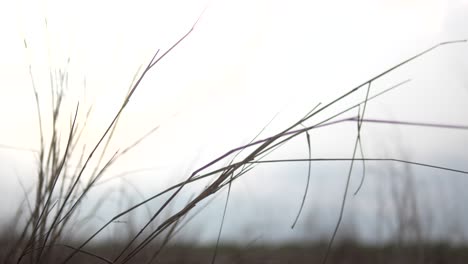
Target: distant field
(293,253)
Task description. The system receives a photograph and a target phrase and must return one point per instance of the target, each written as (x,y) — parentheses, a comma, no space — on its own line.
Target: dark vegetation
(43,237)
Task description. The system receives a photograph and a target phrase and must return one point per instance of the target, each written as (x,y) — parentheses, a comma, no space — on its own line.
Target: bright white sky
(245,61)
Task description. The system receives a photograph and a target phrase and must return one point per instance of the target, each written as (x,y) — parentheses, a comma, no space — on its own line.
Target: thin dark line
(421,124)
(366,159)
(307,183)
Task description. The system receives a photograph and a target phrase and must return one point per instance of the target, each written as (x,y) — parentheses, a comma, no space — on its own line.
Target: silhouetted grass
(59,193)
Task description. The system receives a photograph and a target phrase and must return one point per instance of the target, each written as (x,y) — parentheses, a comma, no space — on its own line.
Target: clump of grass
(59,193)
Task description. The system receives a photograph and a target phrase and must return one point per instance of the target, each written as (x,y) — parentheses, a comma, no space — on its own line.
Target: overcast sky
(245,62)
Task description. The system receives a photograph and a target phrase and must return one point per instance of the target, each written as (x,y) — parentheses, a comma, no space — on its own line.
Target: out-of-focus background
(244,63)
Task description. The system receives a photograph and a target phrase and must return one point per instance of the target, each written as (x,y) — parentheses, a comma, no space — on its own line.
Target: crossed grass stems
(50,216)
